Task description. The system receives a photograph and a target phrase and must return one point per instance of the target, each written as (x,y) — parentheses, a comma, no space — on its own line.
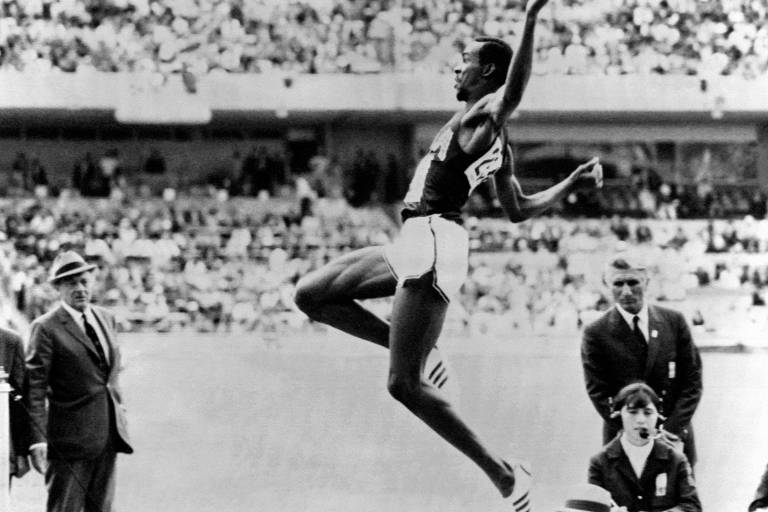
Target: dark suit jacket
(672,368)
(666,483)
(761,495)
(12,360)
(85,409)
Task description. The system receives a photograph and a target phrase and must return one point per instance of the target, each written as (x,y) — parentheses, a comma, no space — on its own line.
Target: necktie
(91,333)
(641,346)
(637,331)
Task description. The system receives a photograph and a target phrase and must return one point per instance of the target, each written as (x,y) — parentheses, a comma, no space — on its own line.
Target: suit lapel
(72,328)
(619,327)
(654,327)
(107,335)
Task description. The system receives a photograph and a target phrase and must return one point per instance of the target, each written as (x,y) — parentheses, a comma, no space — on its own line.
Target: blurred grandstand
(320,36)
(207,153)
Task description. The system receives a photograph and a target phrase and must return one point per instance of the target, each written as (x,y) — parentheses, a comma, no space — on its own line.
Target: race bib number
(486,165)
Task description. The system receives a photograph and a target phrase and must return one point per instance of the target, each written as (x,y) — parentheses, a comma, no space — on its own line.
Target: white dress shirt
(78,318)
(642,322)
(637,455)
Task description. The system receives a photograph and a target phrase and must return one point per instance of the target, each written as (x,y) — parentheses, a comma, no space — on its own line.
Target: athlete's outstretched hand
(534,6)
(589,174)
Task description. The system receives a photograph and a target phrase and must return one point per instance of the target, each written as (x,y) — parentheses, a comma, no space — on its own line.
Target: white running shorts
(428,244)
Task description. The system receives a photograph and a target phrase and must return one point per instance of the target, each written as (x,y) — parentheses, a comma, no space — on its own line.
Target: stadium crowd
(319,36)
(211,265)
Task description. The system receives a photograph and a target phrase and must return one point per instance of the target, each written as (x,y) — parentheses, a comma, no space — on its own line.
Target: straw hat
(68,263)
(587,498)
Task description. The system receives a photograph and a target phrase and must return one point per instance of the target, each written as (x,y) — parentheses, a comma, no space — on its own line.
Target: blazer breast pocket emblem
(661,484)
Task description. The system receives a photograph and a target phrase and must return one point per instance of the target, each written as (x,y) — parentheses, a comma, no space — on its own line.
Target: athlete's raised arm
(507,98)
(492,85)
(520,207)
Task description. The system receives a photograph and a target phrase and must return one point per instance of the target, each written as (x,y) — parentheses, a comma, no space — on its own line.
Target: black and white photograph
(384,255)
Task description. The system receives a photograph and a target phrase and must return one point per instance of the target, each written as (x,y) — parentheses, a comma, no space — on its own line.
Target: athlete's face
(468,72)
(628,288)
(639,423)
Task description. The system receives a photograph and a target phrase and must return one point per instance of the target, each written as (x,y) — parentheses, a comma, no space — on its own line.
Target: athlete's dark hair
(498,52)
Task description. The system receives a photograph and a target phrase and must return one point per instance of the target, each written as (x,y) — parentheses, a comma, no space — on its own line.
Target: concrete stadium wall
(380,92)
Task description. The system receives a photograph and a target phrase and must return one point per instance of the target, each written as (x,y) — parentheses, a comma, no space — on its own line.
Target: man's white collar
(642,314)
(77,315)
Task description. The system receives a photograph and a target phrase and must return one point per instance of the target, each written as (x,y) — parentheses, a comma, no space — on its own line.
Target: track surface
(231,423)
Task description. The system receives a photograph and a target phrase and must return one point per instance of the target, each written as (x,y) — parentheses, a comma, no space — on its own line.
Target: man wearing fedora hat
(73,362)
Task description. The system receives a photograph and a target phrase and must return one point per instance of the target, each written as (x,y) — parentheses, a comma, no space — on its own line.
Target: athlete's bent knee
(306,297)
(403,390)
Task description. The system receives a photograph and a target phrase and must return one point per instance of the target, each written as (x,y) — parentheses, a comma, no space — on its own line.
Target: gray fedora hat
(68,263)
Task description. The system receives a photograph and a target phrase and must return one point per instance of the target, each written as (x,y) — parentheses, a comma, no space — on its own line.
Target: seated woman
(641,472)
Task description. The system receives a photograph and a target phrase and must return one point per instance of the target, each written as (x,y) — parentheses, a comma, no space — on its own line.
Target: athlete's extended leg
(417,318)
(330,293)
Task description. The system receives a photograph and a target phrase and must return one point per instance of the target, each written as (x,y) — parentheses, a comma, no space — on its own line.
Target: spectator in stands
(325,175)
(84,170)
(620,227)
(19,171)
(155,162)
(38,178)
(361,178)
(233,174)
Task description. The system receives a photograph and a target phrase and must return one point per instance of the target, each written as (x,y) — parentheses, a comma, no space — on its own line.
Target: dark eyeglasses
(629,282)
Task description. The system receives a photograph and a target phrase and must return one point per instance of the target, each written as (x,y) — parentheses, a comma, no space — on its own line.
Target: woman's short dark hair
(495,51)
(636,396)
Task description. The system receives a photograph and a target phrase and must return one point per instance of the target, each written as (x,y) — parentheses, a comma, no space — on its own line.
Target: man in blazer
(12,361)
(637,341)
(73,361)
